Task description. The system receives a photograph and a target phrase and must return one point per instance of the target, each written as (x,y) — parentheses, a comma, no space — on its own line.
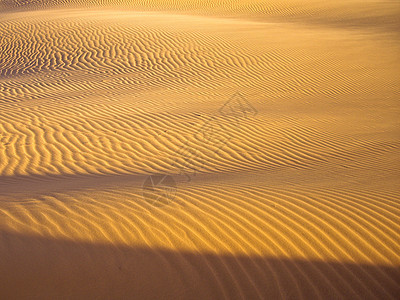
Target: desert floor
(188,149)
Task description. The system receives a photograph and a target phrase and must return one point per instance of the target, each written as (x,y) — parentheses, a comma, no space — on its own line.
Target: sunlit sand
(199,149)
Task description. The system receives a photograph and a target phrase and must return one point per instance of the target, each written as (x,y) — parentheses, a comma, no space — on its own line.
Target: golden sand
(277,122)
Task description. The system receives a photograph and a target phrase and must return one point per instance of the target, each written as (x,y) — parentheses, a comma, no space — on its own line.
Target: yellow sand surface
(188,149)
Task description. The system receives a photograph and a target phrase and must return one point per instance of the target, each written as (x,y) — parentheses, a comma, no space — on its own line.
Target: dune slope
(276,125)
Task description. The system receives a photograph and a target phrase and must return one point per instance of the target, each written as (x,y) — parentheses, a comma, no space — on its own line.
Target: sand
(188,149)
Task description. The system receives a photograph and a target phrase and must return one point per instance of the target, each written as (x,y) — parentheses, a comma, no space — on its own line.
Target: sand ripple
(295,197)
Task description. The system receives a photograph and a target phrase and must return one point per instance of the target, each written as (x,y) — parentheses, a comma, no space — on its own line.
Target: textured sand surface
(294,196)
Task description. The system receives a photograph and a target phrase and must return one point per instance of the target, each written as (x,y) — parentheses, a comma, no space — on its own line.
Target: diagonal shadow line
(34,267)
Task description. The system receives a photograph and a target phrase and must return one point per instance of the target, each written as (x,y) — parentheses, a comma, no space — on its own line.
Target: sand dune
(294,196)
(252,242)
(187,274)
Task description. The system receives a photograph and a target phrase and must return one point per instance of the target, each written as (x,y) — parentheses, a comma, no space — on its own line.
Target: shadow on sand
(33,267)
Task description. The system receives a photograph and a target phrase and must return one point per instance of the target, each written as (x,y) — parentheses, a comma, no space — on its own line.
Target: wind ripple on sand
(304,196)
(299,225)
(80,68)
